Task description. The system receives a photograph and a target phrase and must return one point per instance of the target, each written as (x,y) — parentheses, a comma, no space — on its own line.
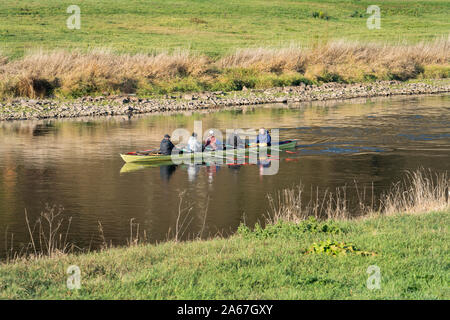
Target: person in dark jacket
(166,146)
(234,141)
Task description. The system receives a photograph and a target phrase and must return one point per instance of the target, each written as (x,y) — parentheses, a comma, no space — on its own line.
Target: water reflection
(211,171)
(193,170)
(43,129)
(166,171)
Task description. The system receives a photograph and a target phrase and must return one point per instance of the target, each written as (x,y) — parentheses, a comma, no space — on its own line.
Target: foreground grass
(411,251)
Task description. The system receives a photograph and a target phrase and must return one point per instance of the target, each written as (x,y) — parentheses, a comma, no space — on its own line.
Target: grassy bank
(295,256)
(100,72)
(410,250)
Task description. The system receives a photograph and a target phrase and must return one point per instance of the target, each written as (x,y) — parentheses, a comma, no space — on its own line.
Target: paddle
(144,151)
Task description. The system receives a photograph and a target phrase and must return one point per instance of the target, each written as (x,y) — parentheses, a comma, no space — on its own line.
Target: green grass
(211,27)
(215,29)
(411,251)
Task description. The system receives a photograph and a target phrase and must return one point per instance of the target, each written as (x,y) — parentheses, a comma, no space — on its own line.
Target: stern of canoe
(287,144)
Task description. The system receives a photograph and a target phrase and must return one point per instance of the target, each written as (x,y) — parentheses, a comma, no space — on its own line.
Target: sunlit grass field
(158,47)
(211,27)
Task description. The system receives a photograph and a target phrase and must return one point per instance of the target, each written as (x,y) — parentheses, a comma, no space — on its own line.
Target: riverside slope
(411,252)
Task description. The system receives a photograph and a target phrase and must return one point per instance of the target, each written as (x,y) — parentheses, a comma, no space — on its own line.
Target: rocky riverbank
(23,109)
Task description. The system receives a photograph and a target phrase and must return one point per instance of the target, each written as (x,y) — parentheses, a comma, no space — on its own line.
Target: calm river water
(75,164)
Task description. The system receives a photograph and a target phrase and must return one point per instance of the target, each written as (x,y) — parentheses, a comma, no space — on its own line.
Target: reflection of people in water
(235,168)
(265,163)
(193,170)
(212,171)
(193,144)
(166,172)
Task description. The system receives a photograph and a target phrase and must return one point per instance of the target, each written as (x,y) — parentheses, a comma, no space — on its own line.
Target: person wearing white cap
(211,141)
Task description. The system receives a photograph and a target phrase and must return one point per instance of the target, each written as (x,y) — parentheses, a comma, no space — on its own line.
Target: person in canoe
(263,138)
(234,141)
(166,146)
(211,142)
(193,145)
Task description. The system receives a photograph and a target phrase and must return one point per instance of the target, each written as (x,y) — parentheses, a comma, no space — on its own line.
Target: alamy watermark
(374,21)
(74,21)
(374,279)
(74,279)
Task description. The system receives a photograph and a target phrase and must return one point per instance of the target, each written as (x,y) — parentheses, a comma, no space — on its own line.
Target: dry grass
(289,205)
(104,63)
(419,191)
(3,59)
(345,58)
(48,233)
(269,60)
(38,74)
(48,237)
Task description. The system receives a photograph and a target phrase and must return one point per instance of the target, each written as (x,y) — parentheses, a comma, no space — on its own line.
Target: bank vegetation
(97,72)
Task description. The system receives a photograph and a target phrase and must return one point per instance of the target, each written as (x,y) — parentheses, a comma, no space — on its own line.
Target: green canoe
(133,157)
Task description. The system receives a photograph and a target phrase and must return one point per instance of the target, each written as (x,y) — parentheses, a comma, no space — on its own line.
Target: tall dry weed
(38,73)
(420,191)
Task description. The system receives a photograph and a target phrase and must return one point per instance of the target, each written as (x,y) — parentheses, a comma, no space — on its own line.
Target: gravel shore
(24,109)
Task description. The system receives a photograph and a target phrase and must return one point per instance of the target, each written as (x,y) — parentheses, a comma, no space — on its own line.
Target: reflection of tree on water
(166,172)
(43,129)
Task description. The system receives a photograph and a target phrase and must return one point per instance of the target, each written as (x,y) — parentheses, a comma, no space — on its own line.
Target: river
(75,164)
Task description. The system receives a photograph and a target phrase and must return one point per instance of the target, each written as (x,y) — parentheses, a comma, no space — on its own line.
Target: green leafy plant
(334,248)
(320,15)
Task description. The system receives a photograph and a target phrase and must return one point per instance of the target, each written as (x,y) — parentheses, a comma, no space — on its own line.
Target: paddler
(211,141)
(234,141)
(166,146)
(263,138)
(193,145)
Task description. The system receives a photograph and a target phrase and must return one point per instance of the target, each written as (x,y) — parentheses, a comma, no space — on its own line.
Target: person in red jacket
(211,141)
